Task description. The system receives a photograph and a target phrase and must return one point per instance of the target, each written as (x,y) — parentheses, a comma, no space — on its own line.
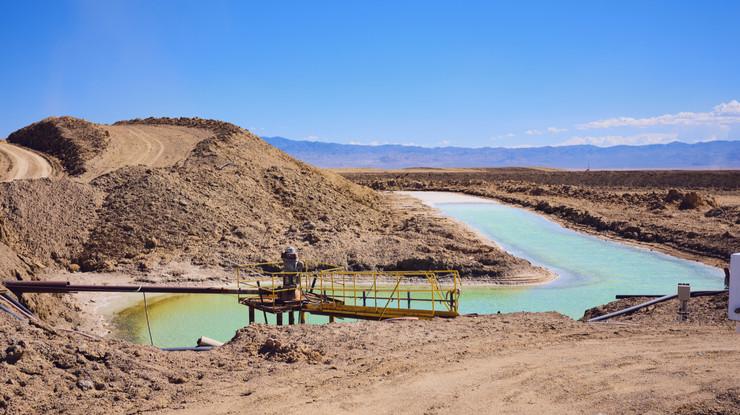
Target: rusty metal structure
(337,293)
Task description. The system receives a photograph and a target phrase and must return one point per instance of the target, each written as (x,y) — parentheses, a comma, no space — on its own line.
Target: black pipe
(7,310)
(17,304)
(259,289)
(693,294)
(65,287)
(633,308)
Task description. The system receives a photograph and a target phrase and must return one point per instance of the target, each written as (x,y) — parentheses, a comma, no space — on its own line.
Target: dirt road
(509,363)
(147,145)
(493,364)
(20,163)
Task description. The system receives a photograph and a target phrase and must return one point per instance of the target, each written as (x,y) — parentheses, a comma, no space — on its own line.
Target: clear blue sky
(429,73)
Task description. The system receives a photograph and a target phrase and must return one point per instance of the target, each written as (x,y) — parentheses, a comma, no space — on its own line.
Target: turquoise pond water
(591,271)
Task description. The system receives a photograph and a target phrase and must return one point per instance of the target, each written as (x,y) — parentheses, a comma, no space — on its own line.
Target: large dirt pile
(237,199)
(47,220)
(231,199)
(234,195)
(71,140)
(53,371)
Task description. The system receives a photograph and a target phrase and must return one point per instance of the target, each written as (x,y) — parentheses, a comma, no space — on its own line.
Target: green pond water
(591,271)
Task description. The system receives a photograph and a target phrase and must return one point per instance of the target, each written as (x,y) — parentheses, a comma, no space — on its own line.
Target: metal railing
(260,276)
(377,294)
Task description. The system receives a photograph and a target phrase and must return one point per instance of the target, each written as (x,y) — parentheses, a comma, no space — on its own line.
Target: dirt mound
(688,200)
(237,199)
(47,371)
(271,344)
(234,194)
(47,220)
(215,195)
(71,140)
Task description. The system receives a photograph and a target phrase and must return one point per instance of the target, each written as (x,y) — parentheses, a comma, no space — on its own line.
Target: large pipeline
(693,294)
(10,312)
(17,304)
(20,287)
(649,303)
(633,308)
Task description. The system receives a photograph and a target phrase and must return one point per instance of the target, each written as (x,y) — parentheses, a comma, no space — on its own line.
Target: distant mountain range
(676,155)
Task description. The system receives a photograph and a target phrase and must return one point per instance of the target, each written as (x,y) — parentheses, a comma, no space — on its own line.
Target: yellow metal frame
(344,293)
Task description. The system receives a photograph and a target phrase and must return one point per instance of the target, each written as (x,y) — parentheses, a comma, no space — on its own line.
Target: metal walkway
(337,293)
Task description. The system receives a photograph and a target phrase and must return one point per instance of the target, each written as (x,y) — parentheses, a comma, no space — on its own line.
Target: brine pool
(591,271)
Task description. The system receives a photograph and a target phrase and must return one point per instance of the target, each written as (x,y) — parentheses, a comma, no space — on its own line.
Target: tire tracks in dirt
(17,163)
(146,145)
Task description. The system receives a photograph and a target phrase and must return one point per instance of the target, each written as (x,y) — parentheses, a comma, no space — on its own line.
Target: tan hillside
(142,193)
(71,140)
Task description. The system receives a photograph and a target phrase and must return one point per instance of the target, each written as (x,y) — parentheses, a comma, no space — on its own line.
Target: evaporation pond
(591,271)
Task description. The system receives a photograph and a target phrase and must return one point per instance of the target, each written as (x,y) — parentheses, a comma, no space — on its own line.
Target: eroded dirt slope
(236,198)
(144,193)
(47,220)
(70,140)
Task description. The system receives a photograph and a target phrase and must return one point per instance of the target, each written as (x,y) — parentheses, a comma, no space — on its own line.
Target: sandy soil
(146,145)
(510,363)
(503,364)
(17,162)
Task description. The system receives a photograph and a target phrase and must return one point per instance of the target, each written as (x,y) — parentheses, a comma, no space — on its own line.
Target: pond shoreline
(461,196)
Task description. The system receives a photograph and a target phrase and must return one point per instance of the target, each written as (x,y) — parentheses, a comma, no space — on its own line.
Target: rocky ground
(691,214)
(515,363)
(230,199)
